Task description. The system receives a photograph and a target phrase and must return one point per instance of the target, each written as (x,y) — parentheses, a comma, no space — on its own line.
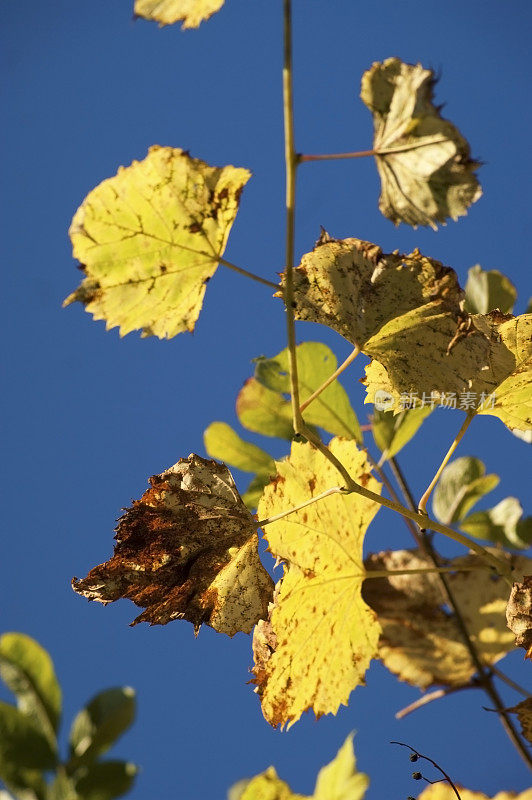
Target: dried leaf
(187,550)
(421,642)
(320,636)
(354,288)
(424,163)
(151,237)
(487,290)
(462,483)
(524,714)
(166,12)
(519,614)
(223,443)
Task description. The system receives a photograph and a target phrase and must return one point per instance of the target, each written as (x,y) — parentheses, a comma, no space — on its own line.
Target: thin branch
(504,677)
(434,764)
(291,162)
(484,677)
(422,505)
(334,156)
(349,360)
(431,696)
(251,275)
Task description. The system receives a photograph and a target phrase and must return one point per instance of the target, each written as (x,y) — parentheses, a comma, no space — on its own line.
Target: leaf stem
(430,696)
(334,490)
(484,676)
(336,156)
(378,151)
(291,162)
(422,505)
(349,360)
(504,677)
(251,275)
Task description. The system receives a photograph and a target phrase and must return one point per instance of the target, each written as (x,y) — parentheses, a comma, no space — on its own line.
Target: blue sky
(87,417)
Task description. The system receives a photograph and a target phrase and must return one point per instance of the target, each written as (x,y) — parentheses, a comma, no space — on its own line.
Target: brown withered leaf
(421,642)
(187,550)
(524,715)
(519,614)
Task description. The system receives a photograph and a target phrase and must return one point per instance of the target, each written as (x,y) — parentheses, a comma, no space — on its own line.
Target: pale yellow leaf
(321,636)
(150,238)
(190,12)
(442,791)
(424,163)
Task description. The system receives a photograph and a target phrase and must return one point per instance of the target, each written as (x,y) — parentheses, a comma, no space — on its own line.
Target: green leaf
(392,432)
(316,362)
(166,12)
(22,745)
(62,788)
(28,671)
(105,780)
(150,238)
(255,489)
(503,523)
(264,411)
(487,290)
(340,780)
(24,784)
(95,729)
(462,483)
(424,162)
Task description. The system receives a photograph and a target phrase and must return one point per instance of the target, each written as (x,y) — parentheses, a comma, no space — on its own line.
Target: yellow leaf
(524,714)
(424,163)
(320,636)
(421,642)
(442,791)
(150,238)
(187,550)
(268,786)
(166,12)
(264,411)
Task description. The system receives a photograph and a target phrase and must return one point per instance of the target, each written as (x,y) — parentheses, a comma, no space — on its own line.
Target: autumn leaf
(504,524)
(424,162)
(166,12)
(421,642)
(223,443)
(150,238)
(524,715)
(262,410)
(187,550)
(393,431)
(487,290)
(519,613)
(338,780)
(354,288)
(442,791)
(320,635)
(462,483)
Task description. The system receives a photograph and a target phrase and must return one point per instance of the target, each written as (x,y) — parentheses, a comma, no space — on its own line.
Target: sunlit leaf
(187,550)
(97,726)
(487,290)
(462,483)
(320,636)
(223,443)
(28,671)
(519,613)
(316,362)
(424,163)
(105,780)
(442,791)
(421,642)
(393,431)
(503,523)
(524,714)
(22,744)
(338,780)
(264,411)
(62,788)
(190,12)
(354,288)
(150,238)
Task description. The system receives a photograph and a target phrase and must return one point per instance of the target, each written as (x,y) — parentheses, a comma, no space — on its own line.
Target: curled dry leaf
(320,635)
(150,238)
(424,163)
(519,614)
(187,550)
(420,641)
(190,12)
(524,715)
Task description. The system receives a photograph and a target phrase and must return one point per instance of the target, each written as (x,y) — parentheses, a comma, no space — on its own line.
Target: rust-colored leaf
(519,614)
(187,550)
